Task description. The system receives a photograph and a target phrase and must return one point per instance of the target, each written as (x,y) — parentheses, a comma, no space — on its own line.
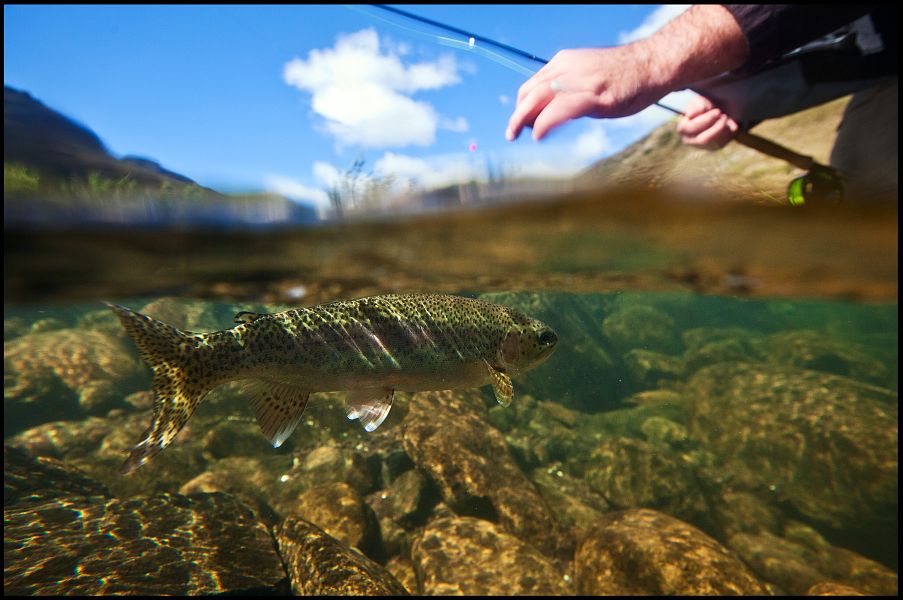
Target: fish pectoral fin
(371,406)
(277,406)
(501,385)
(246,317)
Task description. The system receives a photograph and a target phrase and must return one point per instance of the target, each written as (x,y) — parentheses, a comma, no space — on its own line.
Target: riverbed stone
(631,473)
(649,370)
(320,565)
(63,438)
(637,326)
(824,443)
(448,439)
(808,349)
(473,557)
(64,535)
(645,552)
(64,374)
(340,512)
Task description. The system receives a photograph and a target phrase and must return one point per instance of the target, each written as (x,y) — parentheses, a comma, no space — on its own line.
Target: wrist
(703,42)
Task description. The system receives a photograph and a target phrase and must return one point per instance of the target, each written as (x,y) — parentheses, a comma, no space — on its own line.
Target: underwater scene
(710,406)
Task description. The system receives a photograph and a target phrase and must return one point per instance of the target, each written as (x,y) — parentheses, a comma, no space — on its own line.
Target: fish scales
(369,347)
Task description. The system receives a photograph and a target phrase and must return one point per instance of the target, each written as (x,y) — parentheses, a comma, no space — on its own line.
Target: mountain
(661,159)
(59,172)
(42,138)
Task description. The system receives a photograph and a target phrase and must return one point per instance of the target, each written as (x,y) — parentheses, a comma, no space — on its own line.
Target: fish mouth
(544,354)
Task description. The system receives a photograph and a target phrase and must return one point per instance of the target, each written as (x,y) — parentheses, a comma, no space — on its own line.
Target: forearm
(702,42)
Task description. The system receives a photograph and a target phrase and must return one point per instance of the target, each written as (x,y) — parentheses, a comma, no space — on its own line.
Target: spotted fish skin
(369,347)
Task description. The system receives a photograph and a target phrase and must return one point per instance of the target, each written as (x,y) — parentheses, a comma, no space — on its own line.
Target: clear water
(733,367)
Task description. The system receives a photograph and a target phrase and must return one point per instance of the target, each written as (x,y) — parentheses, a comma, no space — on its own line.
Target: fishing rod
(821,182)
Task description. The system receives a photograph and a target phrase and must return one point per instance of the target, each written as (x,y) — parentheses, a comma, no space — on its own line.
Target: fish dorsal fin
(371,406)
(501,385)
(277,406)
(246,317)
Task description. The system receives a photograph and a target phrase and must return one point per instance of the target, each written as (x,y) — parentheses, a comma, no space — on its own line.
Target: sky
(287,98)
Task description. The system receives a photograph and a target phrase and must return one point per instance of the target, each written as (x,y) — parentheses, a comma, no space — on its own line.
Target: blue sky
(285,98)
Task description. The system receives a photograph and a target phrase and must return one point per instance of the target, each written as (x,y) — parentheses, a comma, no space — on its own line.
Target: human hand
(594,82)
(706,126)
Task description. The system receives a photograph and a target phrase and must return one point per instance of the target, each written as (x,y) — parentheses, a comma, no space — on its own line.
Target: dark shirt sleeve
(772,30)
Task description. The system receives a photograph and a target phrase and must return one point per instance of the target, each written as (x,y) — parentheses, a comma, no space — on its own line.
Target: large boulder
(825,444)
(644,552)
(469,461)
(473,557)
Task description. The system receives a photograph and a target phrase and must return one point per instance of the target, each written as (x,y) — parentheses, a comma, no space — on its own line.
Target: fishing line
(826,177)
(471,44)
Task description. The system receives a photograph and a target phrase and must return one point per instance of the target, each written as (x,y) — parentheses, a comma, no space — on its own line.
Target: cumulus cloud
(653,22)
(294,190)
(363,92)
(592,143)
(459,125)
(430,172)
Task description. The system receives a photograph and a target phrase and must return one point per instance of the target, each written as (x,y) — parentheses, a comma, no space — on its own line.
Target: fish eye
(547,337)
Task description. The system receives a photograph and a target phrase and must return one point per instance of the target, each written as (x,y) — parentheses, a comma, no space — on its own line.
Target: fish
(368,347)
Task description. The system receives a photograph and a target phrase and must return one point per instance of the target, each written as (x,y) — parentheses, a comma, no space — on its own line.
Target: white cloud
(653,22)
(430,172)
(504,99)
(592,143)
(363,93)
(294,190)
(326,174)
(459,125)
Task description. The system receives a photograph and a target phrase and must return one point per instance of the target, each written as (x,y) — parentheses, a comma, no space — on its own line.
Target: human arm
(702,42)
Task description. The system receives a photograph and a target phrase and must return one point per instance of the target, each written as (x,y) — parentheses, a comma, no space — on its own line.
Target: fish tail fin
(178,383)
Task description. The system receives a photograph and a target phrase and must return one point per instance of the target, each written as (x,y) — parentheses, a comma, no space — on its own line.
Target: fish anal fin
(371,406)
(277,406)
(501,385)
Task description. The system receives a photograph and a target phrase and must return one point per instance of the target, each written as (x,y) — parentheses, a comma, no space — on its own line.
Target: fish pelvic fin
(501,385)
(371,406)
(178,384)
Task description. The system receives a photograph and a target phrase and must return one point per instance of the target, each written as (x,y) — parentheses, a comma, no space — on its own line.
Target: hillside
(59,172)
(660,159)
(47,141)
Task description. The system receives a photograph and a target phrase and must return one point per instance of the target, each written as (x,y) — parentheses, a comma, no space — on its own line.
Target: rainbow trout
(369,347)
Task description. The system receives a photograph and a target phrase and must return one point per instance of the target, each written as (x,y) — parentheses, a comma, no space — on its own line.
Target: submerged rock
(832,588)
(630,473)
(825,444)
(472,557)
(812,350)
(649,370)
(777,561)
(27,479)
(320,565)
(569,498)
(64,536)
(640,327)
(644,552)
(63,438)
(469,462)
(340,512)
(64,374)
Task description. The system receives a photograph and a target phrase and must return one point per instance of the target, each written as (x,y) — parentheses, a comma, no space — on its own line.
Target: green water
(769,424)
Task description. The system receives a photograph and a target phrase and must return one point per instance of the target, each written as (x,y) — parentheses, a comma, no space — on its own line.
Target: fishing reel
(821,185)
